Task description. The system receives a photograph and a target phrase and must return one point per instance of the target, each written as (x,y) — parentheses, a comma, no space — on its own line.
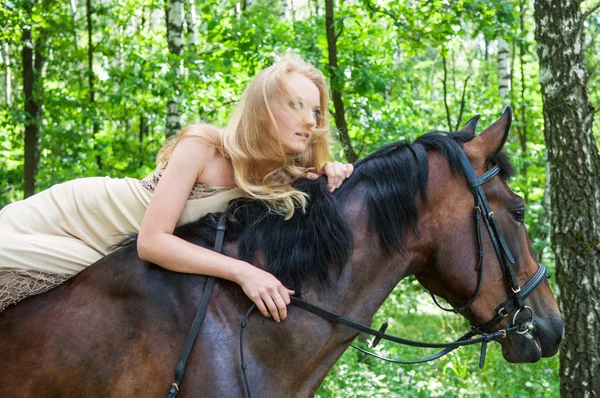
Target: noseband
(515,302)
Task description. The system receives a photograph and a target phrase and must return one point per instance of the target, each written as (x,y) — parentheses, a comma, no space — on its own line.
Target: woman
(278,133)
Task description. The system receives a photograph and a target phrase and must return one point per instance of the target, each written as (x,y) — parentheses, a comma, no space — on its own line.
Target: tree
(337,83)
(90,72)
(522,127)
(191,22)
(33,59)
(574,188)
(175,17)
(503,69)
(5,52)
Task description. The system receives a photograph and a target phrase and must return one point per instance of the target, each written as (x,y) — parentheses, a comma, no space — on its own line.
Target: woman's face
(296,118)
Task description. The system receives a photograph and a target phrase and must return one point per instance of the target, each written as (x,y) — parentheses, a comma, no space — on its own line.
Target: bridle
(516,294)
(515,302)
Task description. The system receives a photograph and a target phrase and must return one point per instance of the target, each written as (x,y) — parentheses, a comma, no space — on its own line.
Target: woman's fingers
(261,306)
(266,292)
(336,174)
(271,306)
(349,169)
(281,306)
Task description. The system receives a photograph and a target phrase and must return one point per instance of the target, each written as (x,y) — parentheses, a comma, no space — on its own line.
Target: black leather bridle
(516,294)
(515,302)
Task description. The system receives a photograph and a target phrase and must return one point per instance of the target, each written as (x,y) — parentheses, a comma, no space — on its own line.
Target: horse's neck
(364,284)
(370,275)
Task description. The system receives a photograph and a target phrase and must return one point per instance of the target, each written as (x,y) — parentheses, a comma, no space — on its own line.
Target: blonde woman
(278,133)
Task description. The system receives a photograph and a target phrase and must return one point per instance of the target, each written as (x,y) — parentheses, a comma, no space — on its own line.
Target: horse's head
(449,225)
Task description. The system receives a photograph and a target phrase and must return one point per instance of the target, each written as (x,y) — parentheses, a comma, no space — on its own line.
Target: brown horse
(117,328)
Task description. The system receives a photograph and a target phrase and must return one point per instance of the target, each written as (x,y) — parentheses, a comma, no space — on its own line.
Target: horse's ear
(470,126)
(492,139)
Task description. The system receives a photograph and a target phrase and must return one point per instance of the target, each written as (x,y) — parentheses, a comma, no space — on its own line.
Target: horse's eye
(519,215)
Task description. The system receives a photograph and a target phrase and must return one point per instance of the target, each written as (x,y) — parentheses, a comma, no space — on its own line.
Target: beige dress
(53,235)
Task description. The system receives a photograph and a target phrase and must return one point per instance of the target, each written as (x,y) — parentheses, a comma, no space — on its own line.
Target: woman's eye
(519,215)
(297,104)
(316,113)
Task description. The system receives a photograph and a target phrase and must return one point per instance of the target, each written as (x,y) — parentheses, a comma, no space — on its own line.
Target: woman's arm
(157,244)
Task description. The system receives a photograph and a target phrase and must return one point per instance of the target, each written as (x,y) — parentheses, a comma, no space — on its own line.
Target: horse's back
(94,336)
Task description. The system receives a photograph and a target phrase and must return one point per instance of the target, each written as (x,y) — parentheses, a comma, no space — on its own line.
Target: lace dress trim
(17,284)
(199,191)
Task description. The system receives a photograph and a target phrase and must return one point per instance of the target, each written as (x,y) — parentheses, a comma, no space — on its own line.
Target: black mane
(307,246)
(317,242)
(396,174)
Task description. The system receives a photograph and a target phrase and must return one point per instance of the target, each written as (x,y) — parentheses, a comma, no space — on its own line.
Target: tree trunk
(191,22)
(33,64)
(93,110)
(503,70)
(175,39)
(486,56)
(523,125)
(337,81)
(574,190)
(74,20)
(283,9)
(292,10)
(7,74)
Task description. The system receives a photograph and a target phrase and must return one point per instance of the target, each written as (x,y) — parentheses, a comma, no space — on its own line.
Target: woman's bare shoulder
(198,150)
(201,130)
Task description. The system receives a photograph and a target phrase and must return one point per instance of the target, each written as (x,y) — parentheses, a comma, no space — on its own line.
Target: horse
(116,328)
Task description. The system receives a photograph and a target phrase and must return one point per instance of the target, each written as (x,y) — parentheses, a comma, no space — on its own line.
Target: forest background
(93,88)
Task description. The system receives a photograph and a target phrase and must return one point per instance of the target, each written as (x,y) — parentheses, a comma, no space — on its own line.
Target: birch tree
(175,18)
(574,189)
(284,9)
(503,70)
(191,21)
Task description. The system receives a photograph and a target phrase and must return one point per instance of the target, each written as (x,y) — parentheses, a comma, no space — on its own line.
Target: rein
(465,340)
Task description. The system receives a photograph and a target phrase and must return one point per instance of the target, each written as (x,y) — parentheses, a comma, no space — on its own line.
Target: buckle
(490,214)
(516,291)
(176,386)
(500,311)
(503,331)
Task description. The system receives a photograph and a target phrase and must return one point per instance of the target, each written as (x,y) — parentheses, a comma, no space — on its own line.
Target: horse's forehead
(437,162)
(498,189)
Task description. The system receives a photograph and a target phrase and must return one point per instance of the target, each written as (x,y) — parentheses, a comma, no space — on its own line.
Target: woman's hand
(336,173)
(269,295)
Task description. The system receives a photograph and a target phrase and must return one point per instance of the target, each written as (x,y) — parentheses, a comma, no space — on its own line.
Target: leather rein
(515,302)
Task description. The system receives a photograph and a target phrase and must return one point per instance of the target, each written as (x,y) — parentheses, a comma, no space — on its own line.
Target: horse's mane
(317,242)
(397,173)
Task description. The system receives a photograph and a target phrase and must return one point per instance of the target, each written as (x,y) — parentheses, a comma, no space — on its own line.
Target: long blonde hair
(252,140)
